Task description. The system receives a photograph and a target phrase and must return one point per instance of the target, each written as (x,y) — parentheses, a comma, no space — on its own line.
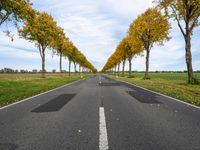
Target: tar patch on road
(8,146)
(144,96)
(56,104)
(109,84)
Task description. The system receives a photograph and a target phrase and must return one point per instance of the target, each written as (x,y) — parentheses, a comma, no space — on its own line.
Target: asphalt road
(100,113)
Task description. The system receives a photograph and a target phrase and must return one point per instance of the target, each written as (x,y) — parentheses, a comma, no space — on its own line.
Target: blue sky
(96,27)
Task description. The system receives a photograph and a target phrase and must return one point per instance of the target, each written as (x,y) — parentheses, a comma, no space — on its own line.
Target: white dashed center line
(103,137)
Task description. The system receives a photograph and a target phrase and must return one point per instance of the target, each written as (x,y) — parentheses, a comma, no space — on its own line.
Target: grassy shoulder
(14,87)
(171,84)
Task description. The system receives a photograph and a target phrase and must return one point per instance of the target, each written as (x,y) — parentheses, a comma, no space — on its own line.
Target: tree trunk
(60,62)
(43,63)
(147,64)
(79,69)
(42,55)
(188,57)
(69,67)
(130,66)
(82,69)
(115,70)
(123,67)
(187,35)
(118,69)
(74,67)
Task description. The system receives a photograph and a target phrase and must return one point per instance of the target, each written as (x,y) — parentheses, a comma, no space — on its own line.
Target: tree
(74,57)
(113,60)
(60,44)
(15,10)
(132,47)
(120,48)
(68,52)
(186,13)
(149,28)
(80,60)
(136,49)
(119,55)
(41,30)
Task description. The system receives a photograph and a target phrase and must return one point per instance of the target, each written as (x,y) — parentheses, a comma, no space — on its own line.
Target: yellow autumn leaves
(41,29)
(149,28)
(186,13)
(152,27)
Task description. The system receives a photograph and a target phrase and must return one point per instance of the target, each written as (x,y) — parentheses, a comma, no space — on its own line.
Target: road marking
(103,137)
(29,98)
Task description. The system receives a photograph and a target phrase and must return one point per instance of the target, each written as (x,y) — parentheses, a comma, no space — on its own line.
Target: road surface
(100,113)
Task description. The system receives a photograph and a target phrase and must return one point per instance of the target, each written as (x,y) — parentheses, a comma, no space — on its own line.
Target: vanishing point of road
(100,113)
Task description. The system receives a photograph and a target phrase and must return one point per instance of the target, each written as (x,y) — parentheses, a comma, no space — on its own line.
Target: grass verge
(15,87)
(171,84)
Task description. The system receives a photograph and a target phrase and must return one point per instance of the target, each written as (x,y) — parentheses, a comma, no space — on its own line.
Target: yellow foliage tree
(15,10)
(132,48)
(186,13)
(41,30)
(122,48)
(60,43)
(149,28)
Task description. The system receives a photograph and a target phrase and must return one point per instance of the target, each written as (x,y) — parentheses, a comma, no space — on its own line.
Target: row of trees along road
(152,27)
(41,29)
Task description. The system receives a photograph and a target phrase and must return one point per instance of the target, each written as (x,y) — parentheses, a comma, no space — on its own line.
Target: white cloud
(21,54)
(96,27)
(128,8)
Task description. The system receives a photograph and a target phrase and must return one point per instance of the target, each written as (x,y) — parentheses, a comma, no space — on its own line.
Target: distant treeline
(184,71)
(9,70)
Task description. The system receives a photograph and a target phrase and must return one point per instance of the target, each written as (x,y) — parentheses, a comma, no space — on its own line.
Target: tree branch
(40,50)
(194,23)
(4,19)
(178,21)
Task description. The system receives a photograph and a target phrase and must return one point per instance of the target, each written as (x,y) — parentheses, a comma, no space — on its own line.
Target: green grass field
(171,84)
(14,87)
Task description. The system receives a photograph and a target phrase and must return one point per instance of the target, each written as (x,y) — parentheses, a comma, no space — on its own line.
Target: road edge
(28,98)
(178,100)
